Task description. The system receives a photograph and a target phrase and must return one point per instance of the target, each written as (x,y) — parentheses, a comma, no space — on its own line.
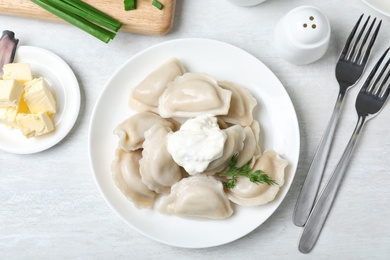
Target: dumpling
(233,145)
(131,131)
(194,94)
(255,126)
(241,105)
(222,124)
(247,193)
(196,196)
(144,97)
(125,172)
(251,149)
(157,168)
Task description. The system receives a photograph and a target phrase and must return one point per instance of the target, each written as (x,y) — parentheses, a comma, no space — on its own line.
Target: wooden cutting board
(146,19)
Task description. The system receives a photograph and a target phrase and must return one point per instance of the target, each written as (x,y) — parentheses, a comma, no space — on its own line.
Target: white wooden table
(50,207)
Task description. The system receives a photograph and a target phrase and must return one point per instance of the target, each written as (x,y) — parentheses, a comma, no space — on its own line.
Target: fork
(349,69)
(369,103)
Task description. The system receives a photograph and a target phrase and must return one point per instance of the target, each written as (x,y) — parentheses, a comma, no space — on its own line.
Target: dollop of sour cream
(198,142)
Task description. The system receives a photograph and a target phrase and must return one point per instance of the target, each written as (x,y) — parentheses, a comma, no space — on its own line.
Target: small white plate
(63,82)
(382,6)
(275,112)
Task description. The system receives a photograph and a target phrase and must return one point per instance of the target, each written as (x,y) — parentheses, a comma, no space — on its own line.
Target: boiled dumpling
(131,131)
(255,126)
(196,196)
(251,150)
(233,145)
(247,193)
(144,97)
(241,104)
(157,168)
(125,170)
(222,124)
(194,94)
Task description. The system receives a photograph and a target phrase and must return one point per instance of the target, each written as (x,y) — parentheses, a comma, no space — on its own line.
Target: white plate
(64,84)
(276,115)
(382,6)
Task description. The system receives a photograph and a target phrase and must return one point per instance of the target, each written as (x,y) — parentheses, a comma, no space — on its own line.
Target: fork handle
(313,178)
(324,203)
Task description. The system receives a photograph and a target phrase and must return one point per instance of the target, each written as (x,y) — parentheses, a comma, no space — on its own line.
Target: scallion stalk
(129,5)
(94,12)
(84,14)
(79,18)
(157,4)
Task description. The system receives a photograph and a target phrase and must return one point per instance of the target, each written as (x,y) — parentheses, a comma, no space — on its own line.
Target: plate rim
(160,45)
(377,8)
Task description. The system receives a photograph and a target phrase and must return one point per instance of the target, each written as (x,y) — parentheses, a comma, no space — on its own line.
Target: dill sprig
(233,172)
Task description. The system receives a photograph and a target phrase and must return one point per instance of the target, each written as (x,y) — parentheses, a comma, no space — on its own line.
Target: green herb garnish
(157,4)
(129,5)
(233,172)
(83,16)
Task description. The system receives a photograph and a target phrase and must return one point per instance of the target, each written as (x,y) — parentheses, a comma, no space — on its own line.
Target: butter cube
(17,71)
(34,124)
(23,108)
(38,97)
(8,115)
(10,93)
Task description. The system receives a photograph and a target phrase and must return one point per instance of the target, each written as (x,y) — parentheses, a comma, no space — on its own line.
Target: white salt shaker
(302,35)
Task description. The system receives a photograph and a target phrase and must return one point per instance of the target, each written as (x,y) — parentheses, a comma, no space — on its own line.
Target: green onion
(82,16)
(157,4)
(129,5)
(86,15)
(86,8)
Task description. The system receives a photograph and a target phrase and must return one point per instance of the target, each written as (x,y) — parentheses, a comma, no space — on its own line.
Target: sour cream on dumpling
(198,142)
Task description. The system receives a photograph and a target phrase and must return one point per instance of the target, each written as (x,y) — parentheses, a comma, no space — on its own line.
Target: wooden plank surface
(146,19)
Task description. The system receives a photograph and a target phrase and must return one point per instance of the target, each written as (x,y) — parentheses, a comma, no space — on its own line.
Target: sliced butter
(8,115)
(26,103)
(17,71)
(38,97)
(23,108)
(10,93)
(34,124)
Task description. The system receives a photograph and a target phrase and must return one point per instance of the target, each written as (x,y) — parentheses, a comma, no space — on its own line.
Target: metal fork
(349,68)
(369,103)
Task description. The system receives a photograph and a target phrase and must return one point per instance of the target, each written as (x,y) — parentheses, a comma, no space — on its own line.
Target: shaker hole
(304,25)
(311,18)
(314,26)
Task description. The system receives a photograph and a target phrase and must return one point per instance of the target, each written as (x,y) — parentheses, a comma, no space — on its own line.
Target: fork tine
(368,50)
(352,52)
(376,88)
(385,90)
(367,83)
(365,40)
(350,37)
